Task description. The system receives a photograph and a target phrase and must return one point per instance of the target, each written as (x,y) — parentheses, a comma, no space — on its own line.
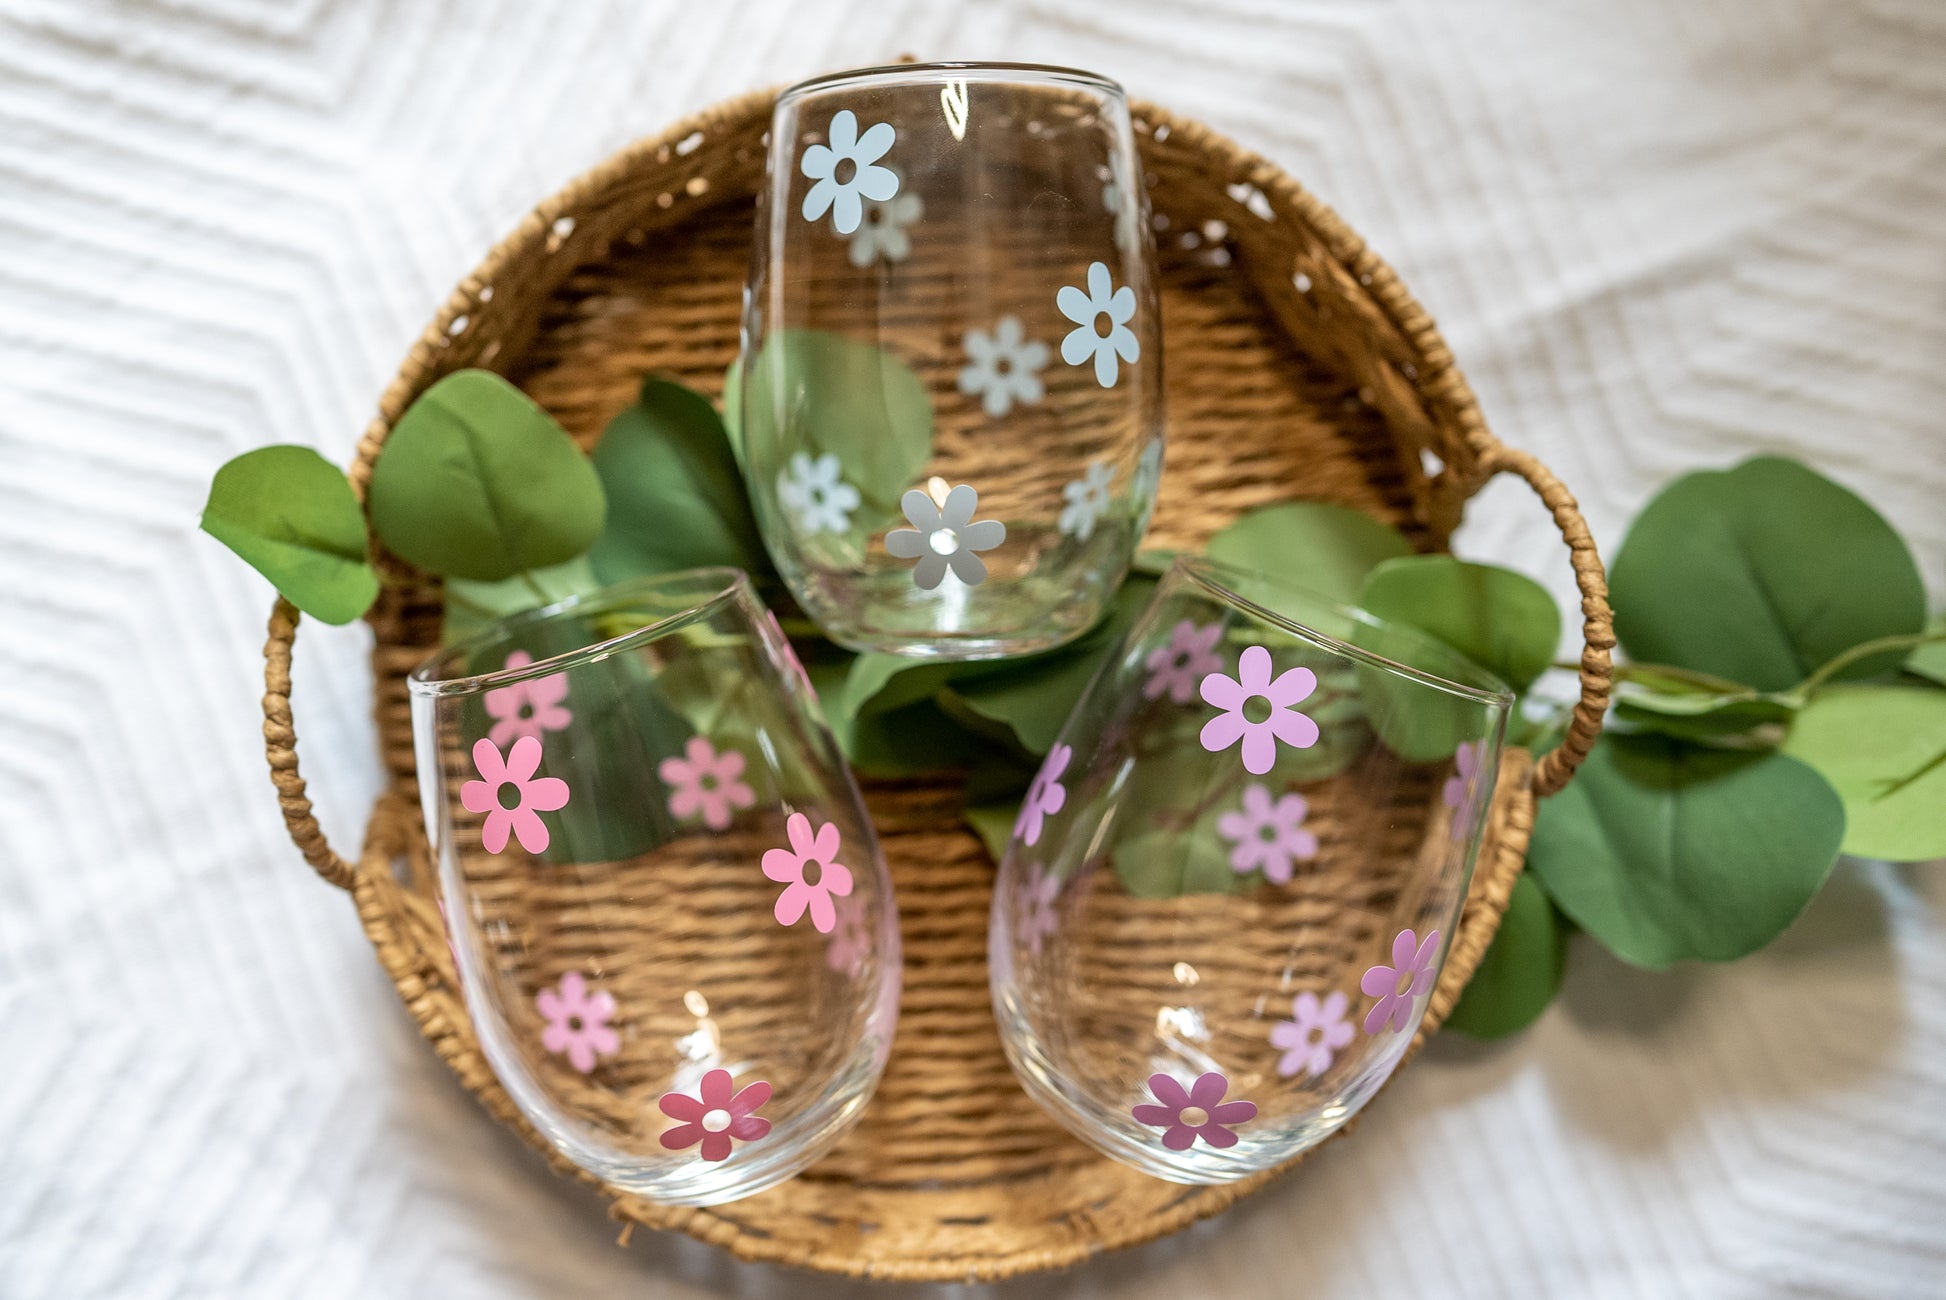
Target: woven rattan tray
(1298,367)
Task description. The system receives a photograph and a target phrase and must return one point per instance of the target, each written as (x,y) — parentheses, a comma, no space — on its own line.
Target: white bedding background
(1659,235)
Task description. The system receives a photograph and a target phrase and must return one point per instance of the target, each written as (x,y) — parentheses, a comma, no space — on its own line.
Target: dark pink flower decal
(1045,797)
(1200,1112)
(1269,834)
(706,783)
(715,1115)
(512,779)
(1312,1037)
(1186,660)
(530,708)
(577,1021)
(1252,692)
(810,872)
(1399,987)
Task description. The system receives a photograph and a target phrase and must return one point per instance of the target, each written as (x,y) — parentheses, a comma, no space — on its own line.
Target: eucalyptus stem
(528,580)
(1864,650)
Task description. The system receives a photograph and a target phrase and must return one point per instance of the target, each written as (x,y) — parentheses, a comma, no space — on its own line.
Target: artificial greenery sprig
(1782,699)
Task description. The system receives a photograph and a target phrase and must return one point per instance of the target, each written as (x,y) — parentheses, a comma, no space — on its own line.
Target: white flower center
(944,541)
(1193,1116)
(715,1121)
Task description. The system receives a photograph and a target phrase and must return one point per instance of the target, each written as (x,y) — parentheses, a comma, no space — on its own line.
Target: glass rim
(969,70)
(722,583)
(1208,573)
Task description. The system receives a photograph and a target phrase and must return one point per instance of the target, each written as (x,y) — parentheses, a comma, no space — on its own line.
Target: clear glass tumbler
(951,382)
(674,932)
(1232,886)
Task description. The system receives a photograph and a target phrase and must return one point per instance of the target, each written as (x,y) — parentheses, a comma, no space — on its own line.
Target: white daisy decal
(847,173)
(883,234)
(1101,317)
(816,494)
(1087,499)
(944,536)
(1003,367)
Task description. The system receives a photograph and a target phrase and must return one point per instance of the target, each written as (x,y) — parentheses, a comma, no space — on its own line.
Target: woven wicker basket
(1298,368)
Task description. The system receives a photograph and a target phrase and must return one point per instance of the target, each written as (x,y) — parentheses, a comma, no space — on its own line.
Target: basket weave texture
(1298,368)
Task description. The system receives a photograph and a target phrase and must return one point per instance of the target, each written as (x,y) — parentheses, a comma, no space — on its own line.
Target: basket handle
(280,747)
(1553,769)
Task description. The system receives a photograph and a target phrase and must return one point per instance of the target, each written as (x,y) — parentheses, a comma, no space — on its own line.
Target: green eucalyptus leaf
(1324,548)
(845,398)
(733,409)
(1701,713)
(1884,750)
(994,824)
(1521,971)
(916,740)
(291,515)
(1761,573)
(1666,851)
(675,495)
(1165,864)
(1929,660)
(1501,620)
(478,482)
(472,606)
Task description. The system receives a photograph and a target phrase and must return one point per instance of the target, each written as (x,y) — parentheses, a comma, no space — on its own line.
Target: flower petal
(1075,305)
(1208,1090)
(818,201)
(530,829)
(844,132)
(1379,981)
(1293,728)
(487,762)
(905,543)
(1234,1112)
(1259,749)
(1422,959)
(1293,686)
(1125,344)
(1107,371)
(871,146)
(750,1097)
(1217,1136)
(967,567)
(493,835)
(1337,1035)
(1180,1137)
(1168,1091)
(956,511)
(1224,692)
(1402,1014)
(557,1036)
(1155,1115)
(1008,332)
(1222,731)
(1288,1033)
(982,535)
(879,184)
(545,794)
(523,759)
(929,572)
(824,916)
(846,209)
(716,1146)
(1121,306)
(716,1090)
(1375,1018)
(683,1135)
(478,796)
(1404,944)
(792,902)
(803,842)
(1253,670)
(782,866)
(1101,286)
(749,1127)
(604,1040)
(836,879)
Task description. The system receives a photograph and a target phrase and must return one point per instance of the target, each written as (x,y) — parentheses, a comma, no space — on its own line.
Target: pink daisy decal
(530,708)
(715,1114)
(511,796)
(810,873)
(577,1021)
(1258,711)
(1045,797)
(707,783)
(1036,906)
(1199,1112)
(1459,786)
(1269,835)
(1188,657)
(1313,1035)
(1399,987)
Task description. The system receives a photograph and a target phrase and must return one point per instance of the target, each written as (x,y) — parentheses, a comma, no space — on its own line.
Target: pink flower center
(813,872)
(1193,1116)
(507,795)
(1257,709)
(715,1121)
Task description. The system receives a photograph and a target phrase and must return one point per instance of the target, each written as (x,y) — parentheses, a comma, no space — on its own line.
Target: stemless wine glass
(674,933)
(1232,886)
(951,379)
